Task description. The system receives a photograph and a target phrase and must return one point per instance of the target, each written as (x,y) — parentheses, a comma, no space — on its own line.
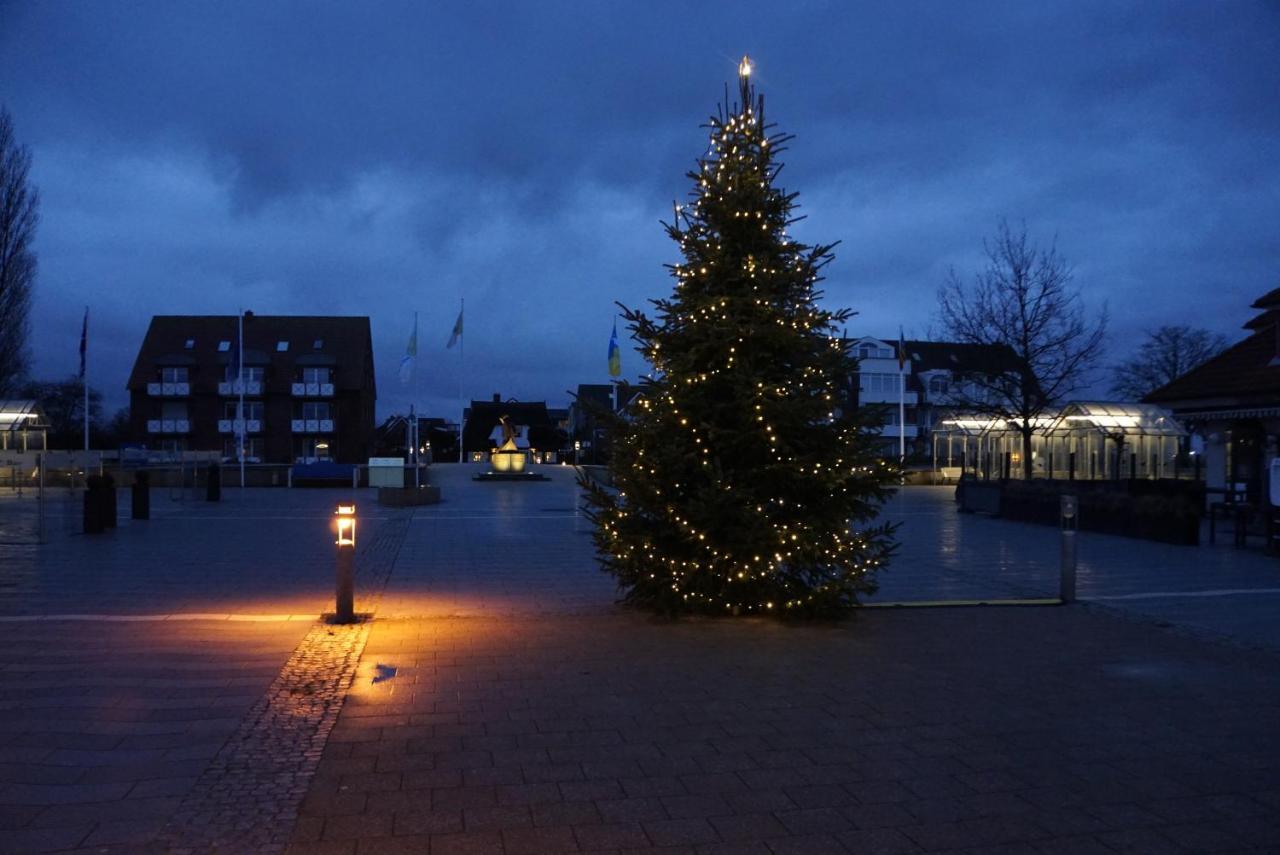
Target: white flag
(410,353)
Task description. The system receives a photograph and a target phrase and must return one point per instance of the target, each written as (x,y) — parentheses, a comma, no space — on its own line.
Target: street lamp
(345,526)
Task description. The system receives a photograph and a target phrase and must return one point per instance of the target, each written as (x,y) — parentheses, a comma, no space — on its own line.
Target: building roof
(346,342)
(1246,372)
(19,413)
(599,393)
(960,358)
(1269,300)
(1109,418)
(952,356)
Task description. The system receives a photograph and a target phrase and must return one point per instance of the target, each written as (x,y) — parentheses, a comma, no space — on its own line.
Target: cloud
(322,157)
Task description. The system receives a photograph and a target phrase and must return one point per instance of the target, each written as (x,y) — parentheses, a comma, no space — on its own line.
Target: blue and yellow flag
(615,355)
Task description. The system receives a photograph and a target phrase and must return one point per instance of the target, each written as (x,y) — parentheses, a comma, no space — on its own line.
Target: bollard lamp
(346,524)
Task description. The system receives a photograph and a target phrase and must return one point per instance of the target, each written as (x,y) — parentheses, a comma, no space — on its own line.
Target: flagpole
(902,417)
(413,412)
(902,403)
(240,421)
(84,377)
(462,367)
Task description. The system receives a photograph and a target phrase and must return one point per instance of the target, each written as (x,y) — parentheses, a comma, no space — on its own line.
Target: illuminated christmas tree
(739,485)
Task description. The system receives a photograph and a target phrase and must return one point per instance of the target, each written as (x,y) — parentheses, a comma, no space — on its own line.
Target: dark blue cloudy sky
(389,157)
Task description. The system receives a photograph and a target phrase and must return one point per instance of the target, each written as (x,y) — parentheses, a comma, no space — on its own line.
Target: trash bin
(109,498)
(142,496)
(213,487)
(93,505)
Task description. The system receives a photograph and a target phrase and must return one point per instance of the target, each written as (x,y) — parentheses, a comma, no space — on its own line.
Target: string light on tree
(740,486)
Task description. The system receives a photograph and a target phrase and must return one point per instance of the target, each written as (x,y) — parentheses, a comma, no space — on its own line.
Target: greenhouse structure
(1083,440)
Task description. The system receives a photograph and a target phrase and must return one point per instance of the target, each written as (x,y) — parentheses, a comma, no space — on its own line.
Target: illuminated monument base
(508,464)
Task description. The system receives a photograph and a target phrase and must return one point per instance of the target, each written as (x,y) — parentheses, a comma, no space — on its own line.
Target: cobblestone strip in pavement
(248,798)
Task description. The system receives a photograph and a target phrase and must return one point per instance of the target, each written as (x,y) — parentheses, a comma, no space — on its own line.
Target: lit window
(318,344)
(224,346)
(191,343)
(282,346)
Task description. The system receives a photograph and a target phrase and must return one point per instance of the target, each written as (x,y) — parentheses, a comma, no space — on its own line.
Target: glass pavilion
(1088,440)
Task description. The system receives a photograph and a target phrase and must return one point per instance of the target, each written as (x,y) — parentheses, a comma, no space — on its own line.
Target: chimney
(497,399)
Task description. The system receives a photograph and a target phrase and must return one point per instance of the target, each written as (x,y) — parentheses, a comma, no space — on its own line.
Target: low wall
(1166,511)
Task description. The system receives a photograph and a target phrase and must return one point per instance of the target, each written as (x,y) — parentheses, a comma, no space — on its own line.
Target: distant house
(308,387)
(1232,401)
(931,376)
(536,431)
(439,438)
(587,433)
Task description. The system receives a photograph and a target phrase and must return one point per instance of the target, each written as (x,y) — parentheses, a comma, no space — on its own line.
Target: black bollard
(345,598)
(213,487)
(142,496)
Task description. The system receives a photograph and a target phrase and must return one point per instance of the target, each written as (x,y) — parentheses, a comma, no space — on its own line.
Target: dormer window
(282,346)
(871,350)
(224,346)
(189,344)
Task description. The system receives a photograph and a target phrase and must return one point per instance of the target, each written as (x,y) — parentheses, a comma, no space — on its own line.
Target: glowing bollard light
(345,525)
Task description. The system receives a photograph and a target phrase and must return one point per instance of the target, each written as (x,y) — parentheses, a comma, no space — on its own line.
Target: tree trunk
(1026,452)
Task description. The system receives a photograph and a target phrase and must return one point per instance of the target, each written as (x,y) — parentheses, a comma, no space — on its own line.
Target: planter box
(1161,511)
(980,497)
(403,497)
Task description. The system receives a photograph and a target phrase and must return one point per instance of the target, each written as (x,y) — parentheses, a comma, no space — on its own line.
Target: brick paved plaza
(166,687)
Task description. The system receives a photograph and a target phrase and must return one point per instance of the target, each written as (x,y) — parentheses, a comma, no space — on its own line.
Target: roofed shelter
(1233,402)
(23,426)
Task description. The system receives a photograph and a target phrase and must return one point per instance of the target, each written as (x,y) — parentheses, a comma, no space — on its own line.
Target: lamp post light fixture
(345,526)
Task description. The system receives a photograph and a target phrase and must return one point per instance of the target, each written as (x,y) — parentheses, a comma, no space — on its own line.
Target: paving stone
(748,826)
(522,692)
(618,835)
(537,841)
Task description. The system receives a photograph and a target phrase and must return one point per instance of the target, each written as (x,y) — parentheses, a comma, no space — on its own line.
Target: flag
(457,331)
(615,355)
(84,340)
(410,353)
(902,351)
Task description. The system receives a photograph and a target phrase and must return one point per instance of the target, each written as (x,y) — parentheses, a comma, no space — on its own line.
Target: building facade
(307,387)
(930,375)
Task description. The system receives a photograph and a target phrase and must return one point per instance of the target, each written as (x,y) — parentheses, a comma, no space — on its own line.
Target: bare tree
(1022,301)
(63,405)
(1167,354)
(18,216)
